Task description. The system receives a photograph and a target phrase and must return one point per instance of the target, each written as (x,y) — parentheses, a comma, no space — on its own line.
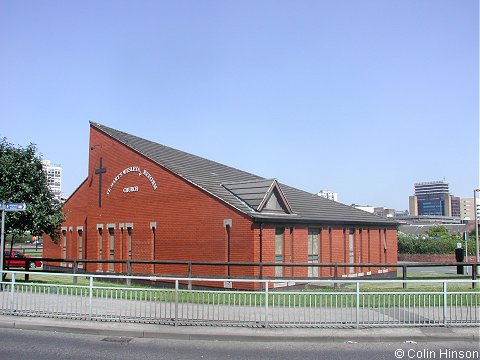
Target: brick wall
(188,224)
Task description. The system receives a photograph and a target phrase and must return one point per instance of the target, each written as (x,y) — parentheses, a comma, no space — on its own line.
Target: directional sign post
(7,206)
(15,206)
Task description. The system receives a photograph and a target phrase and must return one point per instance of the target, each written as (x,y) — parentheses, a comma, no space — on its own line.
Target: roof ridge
(248,181)
(110,129)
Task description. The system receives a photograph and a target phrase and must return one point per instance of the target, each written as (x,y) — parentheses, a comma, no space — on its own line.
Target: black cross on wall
(99,172)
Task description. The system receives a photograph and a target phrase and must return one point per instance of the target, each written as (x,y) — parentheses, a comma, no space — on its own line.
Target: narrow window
(64,245)
(351,249)
(385,245)
(330,248)
(279,231)
(122,245)
(313,253)
(111,246)
(360,243)
(380,246)
(70,242)
(360,249)
(129,240)
(100,246)
(80,242)
(369,248)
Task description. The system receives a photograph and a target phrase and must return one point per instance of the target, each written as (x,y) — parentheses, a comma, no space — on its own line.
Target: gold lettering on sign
(130,189)
(150,178)
(128,170)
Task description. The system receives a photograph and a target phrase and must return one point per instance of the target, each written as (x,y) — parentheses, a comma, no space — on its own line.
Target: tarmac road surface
(21,344)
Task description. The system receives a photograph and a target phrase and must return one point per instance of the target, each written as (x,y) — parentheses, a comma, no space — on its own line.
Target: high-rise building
(467,208)
(327,194)
(434,199)
(54,177)
(455,206)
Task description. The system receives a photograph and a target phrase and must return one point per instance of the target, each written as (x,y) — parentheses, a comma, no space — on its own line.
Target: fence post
(75,270)
(90,300)
(260,275)
(444,303)
(357,313)
(12,294)
(189,275)
(335,276)
(266,304)
(27,268)
(404,275)
(129,272)
(176,302)
(474,276)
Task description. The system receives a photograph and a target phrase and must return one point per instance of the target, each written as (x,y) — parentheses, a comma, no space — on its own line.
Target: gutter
(296,220)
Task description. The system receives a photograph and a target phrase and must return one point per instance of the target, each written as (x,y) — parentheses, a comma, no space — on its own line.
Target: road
(42,345)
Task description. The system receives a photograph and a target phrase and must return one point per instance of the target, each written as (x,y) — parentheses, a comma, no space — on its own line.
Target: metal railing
(353,303)
(195,268)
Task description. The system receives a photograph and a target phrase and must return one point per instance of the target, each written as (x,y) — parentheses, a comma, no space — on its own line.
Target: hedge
(410,244)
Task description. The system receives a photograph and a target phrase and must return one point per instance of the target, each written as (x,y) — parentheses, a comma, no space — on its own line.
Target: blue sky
(364,98)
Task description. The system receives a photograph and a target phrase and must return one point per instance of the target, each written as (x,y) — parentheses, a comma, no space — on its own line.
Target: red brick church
(146,201)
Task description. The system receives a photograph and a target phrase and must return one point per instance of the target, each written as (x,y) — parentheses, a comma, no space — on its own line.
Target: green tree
(440,232)
(23,180)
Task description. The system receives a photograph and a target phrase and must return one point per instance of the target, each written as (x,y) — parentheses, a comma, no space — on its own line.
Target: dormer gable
(263,195)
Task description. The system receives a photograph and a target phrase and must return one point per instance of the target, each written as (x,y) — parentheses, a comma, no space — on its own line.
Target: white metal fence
(352,303)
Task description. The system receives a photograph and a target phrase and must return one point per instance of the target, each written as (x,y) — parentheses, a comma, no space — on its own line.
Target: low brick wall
(437,258)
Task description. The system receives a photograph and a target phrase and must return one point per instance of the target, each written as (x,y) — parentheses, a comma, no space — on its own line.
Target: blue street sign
(15,207)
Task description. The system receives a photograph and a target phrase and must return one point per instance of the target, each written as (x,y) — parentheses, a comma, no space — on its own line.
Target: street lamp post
(475,192)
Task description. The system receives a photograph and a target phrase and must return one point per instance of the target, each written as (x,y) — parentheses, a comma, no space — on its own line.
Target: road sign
(15,207)
(6,206)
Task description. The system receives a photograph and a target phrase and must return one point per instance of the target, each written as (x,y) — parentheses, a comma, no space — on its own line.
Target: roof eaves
(292,218)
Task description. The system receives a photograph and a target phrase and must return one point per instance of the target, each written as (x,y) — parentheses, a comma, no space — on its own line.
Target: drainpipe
(261,254)
(228,249)
(227,223)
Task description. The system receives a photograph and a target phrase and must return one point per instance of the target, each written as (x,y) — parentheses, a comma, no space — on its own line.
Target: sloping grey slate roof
(210,175)
(252,192)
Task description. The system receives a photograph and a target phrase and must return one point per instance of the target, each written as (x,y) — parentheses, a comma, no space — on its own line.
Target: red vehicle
(19,259)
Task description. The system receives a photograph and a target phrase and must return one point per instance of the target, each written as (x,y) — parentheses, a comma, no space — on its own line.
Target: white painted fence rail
(353,303)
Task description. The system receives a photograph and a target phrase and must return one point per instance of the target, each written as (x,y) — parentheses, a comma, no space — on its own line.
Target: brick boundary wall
(440,258)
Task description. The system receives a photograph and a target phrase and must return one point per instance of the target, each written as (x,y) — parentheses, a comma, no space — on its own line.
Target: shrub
(424,244)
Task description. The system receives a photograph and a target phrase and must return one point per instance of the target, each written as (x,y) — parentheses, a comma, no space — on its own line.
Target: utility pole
(475,192)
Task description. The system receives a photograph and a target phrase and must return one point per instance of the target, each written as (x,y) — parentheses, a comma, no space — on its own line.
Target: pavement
(217,333)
